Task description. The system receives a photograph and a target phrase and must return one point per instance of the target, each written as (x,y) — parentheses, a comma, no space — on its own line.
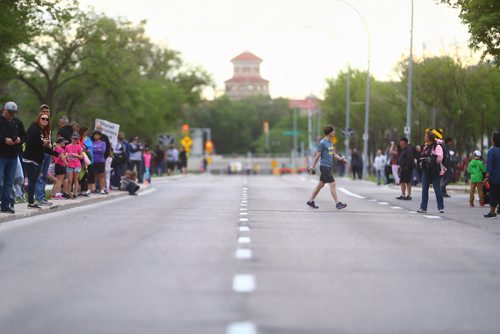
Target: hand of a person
(9,141)
(17,141)
(311,171)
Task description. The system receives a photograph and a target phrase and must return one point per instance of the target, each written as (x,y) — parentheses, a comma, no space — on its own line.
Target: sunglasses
(44,118)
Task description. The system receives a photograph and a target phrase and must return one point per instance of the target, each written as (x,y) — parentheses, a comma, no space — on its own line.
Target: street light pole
(410,77)
(348,112)
(367,102)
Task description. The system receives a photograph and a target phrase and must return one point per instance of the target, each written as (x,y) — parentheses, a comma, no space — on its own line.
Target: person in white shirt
(379,165)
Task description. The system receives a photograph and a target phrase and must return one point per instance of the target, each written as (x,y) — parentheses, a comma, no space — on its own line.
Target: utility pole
(410,76)
(348,112)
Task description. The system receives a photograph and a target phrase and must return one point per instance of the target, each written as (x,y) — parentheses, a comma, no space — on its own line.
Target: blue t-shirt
(325,147)
(90,147)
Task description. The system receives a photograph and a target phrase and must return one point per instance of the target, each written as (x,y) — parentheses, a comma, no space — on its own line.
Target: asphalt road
(245,255)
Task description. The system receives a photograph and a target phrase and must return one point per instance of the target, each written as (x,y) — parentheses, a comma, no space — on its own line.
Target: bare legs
(320,186)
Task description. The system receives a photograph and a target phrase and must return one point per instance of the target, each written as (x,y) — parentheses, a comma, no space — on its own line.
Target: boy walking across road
(325,154)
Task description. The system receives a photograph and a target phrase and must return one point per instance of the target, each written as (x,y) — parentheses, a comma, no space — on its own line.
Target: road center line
(432,217)
(383,203)
(241,328)
(243,254)
(243,219)
(244,229)
(243,283)
(244,240)
(396,207)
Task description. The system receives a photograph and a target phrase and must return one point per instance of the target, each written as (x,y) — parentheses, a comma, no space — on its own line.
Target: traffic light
(266,127)
(209,146)
(185,128)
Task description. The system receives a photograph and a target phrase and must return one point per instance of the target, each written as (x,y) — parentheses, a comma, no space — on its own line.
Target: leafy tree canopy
(483,19)
(24,19)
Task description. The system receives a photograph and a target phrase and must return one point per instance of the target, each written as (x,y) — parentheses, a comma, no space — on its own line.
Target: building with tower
(246,80)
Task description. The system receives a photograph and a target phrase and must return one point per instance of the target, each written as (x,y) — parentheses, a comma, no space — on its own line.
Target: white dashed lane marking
(347,192)
(244,283)
(383,203)
(432,217)
(244,229)
(241,328)
(396,207)
(244,240)
(243,219)
(243,254)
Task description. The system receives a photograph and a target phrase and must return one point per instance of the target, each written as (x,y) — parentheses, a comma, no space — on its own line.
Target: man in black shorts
(406,162)
(325,155)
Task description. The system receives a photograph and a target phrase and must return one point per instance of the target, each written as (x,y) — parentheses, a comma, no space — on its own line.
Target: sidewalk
(22,210)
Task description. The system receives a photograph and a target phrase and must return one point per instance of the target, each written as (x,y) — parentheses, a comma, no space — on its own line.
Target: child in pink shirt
(74,153)
(60,168)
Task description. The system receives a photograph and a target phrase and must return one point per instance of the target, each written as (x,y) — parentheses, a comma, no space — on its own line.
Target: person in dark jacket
(406,161)
(493,175)
(37,144)
(448,175)
(356,165)
(11,139)
(65,130)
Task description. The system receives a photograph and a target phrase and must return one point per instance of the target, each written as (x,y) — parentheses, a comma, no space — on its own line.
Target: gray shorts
(326,175)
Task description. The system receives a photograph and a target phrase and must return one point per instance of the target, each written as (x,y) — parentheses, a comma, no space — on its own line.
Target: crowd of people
(434,163)
(77,160)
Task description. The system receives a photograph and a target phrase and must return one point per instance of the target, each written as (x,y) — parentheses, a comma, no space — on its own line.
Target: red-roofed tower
(246,80)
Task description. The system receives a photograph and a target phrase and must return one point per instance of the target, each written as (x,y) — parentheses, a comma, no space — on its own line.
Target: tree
(483,19)
(455,97)
(386,108)
(236,126)
(23,19)
(98,67)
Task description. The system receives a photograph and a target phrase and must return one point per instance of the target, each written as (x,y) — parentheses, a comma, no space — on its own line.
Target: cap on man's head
(75,136)
(477,153)
(10,106)
(404,139)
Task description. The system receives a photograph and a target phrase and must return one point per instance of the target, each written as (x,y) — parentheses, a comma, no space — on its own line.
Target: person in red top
(74,153)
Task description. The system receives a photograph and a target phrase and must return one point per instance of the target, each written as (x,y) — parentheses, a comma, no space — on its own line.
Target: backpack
(447,161)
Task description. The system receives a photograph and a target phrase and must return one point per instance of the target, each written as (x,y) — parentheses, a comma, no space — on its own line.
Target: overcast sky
(297,59)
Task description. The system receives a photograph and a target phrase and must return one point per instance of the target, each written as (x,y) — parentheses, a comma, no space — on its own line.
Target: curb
(61,205)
